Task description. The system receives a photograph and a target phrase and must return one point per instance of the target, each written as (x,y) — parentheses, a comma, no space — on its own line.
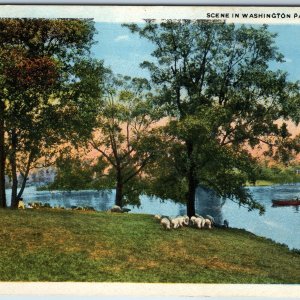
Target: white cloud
(121,38)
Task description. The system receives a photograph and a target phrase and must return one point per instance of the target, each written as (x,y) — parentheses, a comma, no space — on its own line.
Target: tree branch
(93,144)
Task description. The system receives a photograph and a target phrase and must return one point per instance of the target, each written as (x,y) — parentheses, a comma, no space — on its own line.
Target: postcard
(149,150)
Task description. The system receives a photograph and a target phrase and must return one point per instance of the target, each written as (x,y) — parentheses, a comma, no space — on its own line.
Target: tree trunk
(25,176)
(13,163)
(2,158)
(20,193)
(119,190)
(192,181)
(190,204)
(119,195)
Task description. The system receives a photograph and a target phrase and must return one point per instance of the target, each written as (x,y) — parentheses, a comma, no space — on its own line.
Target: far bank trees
(215,83)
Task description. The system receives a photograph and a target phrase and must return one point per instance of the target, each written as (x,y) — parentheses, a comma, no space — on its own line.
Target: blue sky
(288,42)
(123,51)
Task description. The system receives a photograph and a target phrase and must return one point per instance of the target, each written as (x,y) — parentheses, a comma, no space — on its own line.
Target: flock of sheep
(195,221)
(38,205)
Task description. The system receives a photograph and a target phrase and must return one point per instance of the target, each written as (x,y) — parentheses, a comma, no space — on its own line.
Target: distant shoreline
(269,183)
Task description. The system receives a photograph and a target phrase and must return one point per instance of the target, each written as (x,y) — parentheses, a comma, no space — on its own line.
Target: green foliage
(75,173)
(279,175)
(213,80)
(124,135)
(72,174)
(48,84)
(222,169)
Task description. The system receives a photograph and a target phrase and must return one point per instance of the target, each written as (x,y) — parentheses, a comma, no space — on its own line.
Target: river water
(281,224)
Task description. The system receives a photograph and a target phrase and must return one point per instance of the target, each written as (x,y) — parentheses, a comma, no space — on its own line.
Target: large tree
(215,83)
(125,136)
(48,84)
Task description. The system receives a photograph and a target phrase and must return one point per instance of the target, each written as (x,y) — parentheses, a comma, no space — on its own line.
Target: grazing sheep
(35,205)
(183,220)
(180,221)
(116,208)
(193,219)
(212,220)
(186,220)
(207,223)
(158,217)
(199,222)
(21,204)
(203,222)
(175,223)
(198,216)
(165,222)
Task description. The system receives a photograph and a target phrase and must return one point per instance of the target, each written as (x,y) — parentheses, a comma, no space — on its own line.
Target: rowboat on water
(285,202)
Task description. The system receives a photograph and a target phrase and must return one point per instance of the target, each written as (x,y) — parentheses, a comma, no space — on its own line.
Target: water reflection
(278,223)
(153,205)
(208,203)
(99,200)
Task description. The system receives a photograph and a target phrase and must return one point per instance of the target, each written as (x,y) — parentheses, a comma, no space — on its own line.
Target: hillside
(60,245)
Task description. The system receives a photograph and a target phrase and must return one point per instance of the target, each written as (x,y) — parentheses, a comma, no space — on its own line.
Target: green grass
(58,245)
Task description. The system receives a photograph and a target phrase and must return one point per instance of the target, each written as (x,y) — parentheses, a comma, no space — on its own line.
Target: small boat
(284,202)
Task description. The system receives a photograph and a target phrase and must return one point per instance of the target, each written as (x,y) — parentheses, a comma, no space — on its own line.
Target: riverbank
(261,183)
(60,245)
(270,183)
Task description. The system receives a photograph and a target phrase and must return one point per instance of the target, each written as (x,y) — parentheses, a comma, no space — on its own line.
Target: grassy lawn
(58,245)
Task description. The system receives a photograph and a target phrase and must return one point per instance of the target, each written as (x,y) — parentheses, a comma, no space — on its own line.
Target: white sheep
(21,205)
(158,217)
(186,220)
(180,221)
(116,208)
(165,222)
(193,219)
(198,222)
(198,216)
(207,223)
(212,220)
(183,220)
(175,223)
